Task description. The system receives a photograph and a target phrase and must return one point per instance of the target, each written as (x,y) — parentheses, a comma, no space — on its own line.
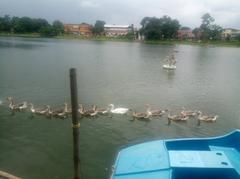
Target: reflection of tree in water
(19,45)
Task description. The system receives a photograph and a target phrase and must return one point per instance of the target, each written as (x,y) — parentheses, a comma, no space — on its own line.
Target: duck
(16,107)
(102,110)
(177,118)
(188,113)
(11,105)
(23,106)
(38,111)
(118,110)
(80,109)
(90,112)
(206,118)
(32,109)
(61,113)
(142,115)
(67,109)
(157,112)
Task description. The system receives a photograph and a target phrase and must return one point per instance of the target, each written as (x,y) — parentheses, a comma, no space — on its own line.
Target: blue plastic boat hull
(199,158)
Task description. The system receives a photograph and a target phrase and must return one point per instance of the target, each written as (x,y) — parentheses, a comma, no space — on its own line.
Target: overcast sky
(188,12)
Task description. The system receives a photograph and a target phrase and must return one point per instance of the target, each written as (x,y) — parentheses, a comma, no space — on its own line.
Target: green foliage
(215,32)
(209,31)
(30,25)
(197,33)
(58,26)
(130,36)
(27,25)
(5,24)
(238,37)
(185,28)
(48,31)
(207,19)
(159,28)
(98,28)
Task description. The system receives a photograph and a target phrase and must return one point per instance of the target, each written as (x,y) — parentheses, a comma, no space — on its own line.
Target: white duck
(23,106)
(102,110)
(118,110)
(38,111)
(17,107)
(66,109)
(87,112)
(64,113)
(80,109)
(59,113)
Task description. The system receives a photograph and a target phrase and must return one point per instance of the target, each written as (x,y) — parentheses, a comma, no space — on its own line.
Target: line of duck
(110,110)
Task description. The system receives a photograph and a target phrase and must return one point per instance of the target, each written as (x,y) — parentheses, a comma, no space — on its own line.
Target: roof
(118,26)
(232,29)
(82,24)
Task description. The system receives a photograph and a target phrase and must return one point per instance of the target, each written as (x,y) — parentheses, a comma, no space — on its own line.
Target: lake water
(125,74)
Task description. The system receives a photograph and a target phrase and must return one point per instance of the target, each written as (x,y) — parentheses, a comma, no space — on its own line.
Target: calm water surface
(126,74)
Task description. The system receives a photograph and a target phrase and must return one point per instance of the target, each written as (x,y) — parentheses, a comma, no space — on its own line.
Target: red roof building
(184,34)
(79,29)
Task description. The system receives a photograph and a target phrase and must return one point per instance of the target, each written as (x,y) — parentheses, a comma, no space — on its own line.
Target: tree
(207,19)
(159,28)
(16,25)
(144,22)
(30,25)
(215,32)
(5,23)
(169,27)
(98,28)
(238,37)
(152,29)
(48,31)
(39,23)
(209,31)
(197,33)
(185,28)
(58,26)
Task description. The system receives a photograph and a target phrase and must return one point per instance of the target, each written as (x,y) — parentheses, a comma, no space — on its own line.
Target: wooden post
(75,123)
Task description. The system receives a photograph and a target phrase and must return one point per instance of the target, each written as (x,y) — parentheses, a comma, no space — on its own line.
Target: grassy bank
(203,43)
(30,35)
(124,39)
(98,38)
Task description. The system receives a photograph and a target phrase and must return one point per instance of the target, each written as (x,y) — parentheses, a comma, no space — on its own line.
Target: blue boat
(194,158)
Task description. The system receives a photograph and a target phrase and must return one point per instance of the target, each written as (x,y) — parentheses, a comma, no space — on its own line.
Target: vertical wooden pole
(75,122)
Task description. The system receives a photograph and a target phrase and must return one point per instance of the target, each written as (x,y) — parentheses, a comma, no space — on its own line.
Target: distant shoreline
(117,39)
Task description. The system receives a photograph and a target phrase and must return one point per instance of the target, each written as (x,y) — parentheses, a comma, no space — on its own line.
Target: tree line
(30,25)
(152,28)
(166,28)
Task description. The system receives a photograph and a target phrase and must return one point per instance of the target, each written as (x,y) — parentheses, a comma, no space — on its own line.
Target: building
(117,30)
(230,34)
(79,29)
(185,33)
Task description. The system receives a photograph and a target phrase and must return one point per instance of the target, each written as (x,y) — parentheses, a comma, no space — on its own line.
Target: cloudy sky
(188,12)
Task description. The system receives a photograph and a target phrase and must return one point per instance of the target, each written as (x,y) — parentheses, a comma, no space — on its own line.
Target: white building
(117,30)
(230,34)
